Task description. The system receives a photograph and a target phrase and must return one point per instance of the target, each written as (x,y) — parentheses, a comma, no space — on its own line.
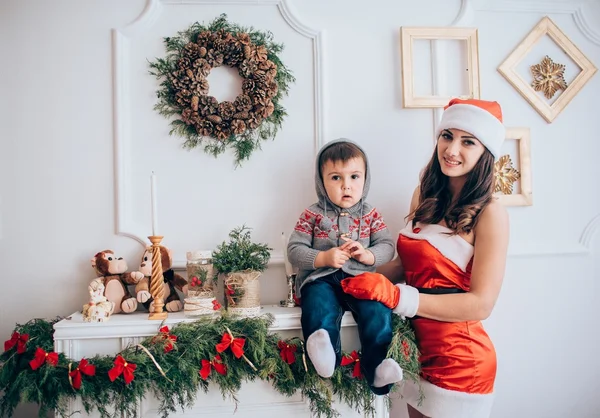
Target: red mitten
(375,286)
(372,286)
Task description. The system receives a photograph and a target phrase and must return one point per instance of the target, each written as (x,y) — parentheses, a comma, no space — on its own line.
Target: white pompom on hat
(480,118)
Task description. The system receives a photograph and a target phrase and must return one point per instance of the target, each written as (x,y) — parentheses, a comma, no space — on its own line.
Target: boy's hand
(334,257)
(358,252)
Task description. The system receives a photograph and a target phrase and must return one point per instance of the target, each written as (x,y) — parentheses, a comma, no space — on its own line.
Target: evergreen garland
(168,365)
(254,116)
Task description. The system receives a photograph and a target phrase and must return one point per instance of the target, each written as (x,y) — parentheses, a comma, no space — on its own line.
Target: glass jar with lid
(200,274)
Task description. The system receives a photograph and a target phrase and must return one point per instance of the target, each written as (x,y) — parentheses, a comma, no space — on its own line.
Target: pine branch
(50,388)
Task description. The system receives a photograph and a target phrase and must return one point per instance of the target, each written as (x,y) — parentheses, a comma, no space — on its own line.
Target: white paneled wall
(73,182)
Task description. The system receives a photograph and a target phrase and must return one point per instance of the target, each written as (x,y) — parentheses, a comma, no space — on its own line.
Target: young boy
(342,236)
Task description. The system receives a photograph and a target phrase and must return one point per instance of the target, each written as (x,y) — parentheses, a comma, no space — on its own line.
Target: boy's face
(344,181)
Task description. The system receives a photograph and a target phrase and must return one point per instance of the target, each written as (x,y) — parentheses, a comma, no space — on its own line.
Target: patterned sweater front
(317,231)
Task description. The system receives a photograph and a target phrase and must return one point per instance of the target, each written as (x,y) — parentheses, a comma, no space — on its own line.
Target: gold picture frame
(524,197)
(408,35)
(508,69)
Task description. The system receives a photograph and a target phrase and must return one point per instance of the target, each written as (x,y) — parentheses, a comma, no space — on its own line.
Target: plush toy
(171,279)
(112,272)
(98,309)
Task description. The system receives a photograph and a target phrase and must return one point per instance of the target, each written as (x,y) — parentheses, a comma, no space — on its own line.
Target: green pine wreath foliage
(178,388)
(254,116)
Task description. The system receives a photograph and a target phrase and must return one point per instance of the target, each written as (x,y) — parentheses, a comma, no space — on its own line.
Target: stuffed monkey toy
(171,279)
(112,272)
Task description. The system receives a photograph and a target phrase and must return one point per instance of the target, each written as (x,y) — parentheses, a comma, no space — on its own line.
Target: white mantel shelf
(138,325)
(77,339)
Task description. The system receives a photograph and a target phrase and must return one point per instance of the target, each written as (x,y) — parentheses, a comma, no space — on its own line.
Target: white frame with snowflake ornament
(508,69)
(524,197)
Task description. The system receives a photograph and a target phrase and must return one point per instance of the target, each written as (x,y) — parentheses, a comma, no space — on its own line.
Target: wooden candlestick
(157,282)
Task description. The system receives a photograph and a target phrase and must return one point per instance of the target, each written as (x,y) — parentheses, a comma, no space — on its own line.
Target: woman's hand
(402,299)
(358,252)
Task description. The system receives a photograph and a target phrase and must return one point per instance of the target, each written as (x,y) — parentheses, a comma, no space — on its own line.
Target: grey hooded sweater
(323,225)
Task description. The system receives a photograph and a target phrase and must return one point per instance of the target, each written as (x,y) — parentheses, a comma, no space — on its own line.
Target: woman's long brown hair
(435,199)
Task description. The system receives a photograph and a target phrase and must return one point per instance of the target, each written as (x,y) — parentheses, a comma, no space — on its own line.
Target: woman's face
(458,152)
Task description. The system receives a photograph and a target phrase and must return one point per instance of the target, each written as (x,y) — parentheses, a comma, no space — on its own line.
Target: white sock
(386,373)
(321,353)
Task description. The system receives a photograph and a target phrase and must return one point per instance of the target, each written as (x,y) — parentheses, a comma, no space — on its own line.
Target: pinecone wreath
(255,115)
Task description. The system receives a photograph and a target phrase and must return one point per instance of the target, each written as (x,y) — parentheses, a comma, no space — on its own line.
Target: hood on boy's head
(320,186)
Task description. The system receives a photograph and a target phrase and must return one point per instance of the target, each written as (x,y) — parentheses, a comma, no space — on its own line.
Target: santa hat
(480,118)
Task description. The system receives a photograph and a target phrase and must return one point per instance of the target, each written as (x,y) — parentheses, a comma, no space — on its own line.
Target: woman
(452,256)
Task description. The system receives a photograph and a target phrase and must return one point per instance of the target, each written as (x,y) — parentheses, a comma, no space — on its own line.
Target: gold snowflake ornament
(505,175)
(548,77)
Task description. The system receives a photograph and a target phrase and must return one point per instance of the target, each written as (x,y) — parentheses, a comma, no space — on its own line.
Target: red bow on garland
(17,339)
(216,363)
(42,357)
(236,344)
(122,367)
(83,367)
(169,339)
(287,352)
(353,358)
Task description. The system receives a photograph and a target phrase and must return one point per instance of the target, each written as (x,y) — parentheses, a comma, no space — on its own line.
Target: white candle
(154,206)
(286,262)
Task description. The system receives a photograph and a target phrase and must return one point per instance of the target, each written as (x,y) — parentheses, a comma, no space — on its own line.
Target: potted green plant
(240,263)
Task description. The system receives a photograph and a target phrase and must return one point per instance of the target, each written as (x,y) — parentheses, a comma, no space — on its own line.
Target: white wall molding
(573,7)
(591,229)
(464,18)
(317,38)
(125,224)
(465,15)
(552,248)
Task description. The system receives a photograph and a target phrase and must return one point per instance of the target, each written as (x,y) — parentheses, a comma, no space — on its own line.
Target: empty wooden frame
(508,69)
(409,35)
(523,196)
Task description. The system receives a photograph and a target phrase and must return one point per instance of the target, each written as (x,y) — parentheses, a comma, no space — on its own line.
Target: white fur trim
(408,305)
(478,122)
(453,247)
(444,403)
(321,352)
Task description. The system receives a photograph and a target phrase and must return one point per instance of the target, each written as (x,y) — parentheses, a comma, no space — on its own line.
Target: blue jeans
(323,305)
